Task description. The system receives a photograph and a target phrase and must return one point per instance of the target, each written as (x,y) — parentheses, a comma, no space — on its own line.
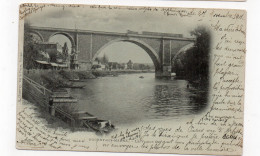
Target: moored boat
(90,121)
(102,126)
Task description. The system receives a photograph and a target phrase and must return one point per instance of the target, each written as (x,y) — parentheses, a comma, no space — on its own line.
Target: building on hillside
(53,49)
(50,46)
(50,56)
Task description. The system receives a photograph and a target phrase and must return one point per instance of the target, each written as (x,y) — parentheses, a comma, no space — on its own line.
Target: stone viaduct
(161,47)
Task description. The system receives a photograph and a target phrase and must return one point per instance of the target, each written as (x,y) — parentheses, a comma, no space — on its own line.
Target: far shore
(53,79)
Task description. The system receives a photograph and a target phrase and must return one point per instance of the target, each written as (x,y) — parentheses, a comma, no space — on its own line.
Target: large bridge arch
(147,48)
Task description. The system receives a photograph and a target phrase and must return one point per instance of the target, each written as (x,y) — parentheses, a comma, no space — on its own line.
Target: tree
(65,51)
(30,48)
(105,59)
(194,63)
(97,60)
(201,53)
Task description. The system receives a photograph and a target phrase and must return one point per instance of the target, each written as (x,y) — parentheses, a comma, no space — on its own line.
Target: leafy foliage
(194,63)
(65,51)
(30,48)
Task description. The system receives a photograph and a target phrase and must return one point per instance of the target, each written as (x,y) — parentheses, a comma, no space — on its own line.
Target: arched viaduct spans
(161,47)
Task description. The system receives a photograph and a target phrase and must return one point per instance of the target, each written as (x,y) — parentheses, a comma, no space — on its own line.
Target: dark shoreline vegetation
(193,64)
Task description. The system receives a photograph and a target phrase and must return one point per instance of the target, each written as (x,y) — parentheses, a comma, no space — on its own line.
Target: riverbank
(59,103)
(53,79)
(103,73)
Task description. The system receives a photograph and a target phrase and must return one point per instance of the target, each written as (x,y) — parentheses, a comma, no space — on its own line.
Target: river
(128,99)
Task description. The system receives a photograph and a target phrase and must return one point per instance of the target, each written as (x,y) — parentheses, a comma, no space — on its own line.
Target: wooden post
(91,46)
(51,106)
(72,122)
(52,111)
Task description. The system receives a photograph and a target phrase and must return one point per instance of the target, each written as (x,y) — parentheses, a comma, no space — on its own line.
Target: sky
(122,52)
(110,21)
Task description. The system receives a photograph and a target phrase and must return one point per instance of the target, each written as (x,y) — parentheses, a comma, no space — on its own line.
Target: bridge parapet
(145,34)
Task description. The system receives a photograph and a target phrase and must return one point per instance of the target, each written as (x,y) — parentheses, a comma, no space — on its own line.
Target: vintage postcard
(214,0)
(131,79)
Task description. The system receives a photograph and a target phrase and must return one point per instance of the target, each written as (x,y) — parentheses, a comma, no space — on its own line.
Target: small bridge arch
(73,44)
(37,34)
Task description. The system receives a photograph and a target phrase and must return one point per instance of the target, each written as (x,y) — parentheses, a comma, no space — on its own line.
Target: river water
(128,99)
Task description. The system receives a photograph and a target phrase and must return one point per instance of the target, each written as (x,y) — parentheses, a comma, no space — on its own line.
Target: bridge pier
(164,73)
(165,52)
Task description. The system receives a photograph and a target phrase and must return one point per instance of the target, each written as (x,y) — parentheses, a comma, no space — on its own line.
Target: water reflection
(174,99)
(127,99)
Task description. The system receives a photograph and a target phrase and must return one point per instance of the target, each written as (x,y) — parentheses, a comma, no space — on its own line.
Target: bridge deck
(111,33)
